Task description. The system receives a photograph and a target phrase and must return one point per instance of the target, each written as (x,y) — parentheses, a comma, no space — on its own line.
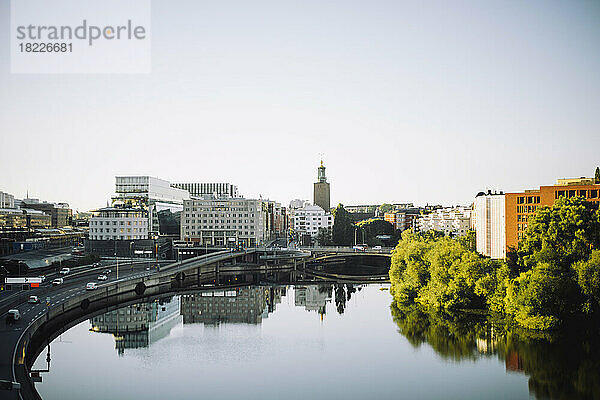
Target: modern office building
(216,190)
(119,223)
(225,222)
(310,219)
(490,228)
(453,221)
(520,206)
(151,194)
(321,195)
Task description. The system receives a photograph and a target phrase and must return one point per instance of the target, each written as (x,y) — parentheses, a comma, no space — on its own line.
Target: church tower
(321,190)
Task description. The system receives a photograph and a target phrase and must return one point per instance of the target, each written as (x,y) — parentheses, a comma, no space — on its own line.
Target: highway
(53,296)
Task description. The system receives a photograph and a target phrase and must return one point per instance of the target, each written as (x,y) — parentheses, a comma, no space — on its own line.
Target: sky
(425,102)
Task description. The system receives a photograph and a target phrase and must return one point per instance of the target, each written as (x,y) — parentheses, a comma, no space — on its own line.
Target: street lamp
(116,258)
(131,253)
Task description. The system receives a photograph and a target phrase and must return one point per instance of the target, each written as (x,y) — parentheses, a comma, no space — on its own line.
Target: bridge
(226,267)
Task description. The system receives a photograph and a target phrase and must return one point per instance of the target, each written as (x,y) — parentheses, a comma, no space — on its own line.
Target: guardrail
(118,292)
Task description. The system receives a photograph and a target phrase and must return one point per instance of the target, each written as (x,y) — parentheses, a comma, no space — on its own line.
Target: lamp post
(131,253)
(116,259)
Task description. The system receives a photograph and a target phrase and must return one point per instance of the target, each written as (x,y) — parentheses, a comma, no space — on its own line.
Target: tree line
(552,277)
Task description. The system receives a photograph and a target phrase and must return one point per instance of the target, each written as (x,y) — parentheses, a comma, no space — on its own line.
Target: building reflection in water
(235,305)
(139,325)
(313,297)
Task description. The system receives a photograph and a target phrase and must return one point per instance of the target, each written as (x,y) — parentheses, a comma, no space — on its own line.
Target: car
(91,286)
(377,248)
(14,314)
(58,281)
(107,271)
(96,264)
(102,277)
(33,299)
(43,278)
(65,271)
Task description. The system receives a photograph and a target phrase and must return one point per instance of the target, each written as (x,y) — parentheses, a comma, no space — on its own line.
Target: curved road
(74,285)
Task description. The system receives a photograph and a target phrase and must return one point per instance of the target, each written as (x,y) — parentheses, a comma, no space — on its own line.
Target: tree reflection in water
(343,293)
(560,365)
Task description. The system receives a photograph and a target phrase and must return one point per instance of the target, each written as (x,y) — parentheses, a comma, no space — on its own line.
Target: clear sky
(424,102)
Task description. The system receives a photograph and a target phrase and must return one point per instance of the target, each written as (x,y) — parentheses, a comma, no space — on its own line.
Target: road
(74,285)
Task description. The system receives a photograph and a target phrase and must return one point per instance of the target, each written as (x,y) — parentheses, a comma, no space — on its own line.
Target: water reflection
(313,298)
(235,305)
(139,325)
(562,365)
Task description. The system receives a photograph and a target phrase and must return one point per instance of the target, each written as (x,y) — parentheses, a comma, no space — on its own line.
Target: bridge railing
(347,249)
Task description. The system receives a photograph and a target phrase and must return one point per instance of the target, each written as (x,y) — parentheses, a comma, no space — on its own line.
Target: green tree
(440,273)
(343,229)
(324,237)
(555,274)
(385,207)
(588,278)
(469,241)
(371,228)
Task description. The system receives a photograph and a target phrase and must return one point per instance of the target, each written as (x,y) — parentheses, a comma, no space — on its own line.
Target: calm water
(309,342)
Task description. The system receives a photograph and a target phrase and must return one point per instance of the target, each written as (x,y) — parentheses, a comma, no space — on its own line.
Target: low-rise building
(60,213)
(401,220)
(113,223)
(7,200)
(452,221)
(24,218)
(310,219)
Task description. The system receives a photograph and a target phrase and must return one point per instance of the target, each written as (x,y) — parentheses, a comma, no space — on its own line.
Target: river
(329,341)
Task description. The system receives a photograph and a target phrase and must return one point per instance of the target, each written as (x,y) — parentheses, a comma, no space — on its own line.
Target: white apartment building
(112,223)
(224,222)
(217,190)
(455,221)
(490,225)
(309,219)
(7,200)
(297,203)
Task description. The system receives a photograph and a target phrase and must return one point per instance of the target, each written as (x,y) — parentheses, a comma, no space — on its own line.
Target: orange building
(519,206)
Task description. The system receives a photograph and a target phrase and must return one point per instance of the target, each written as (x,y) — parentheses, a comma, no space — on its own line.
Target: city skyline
(422,103)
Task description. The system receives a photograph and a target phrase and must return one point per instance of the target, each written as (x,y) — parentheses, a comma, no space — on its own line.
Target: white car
(58,281)
(65,271)
(377,248)
(33,299)
(14,314)
(91,286)
(102,277)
